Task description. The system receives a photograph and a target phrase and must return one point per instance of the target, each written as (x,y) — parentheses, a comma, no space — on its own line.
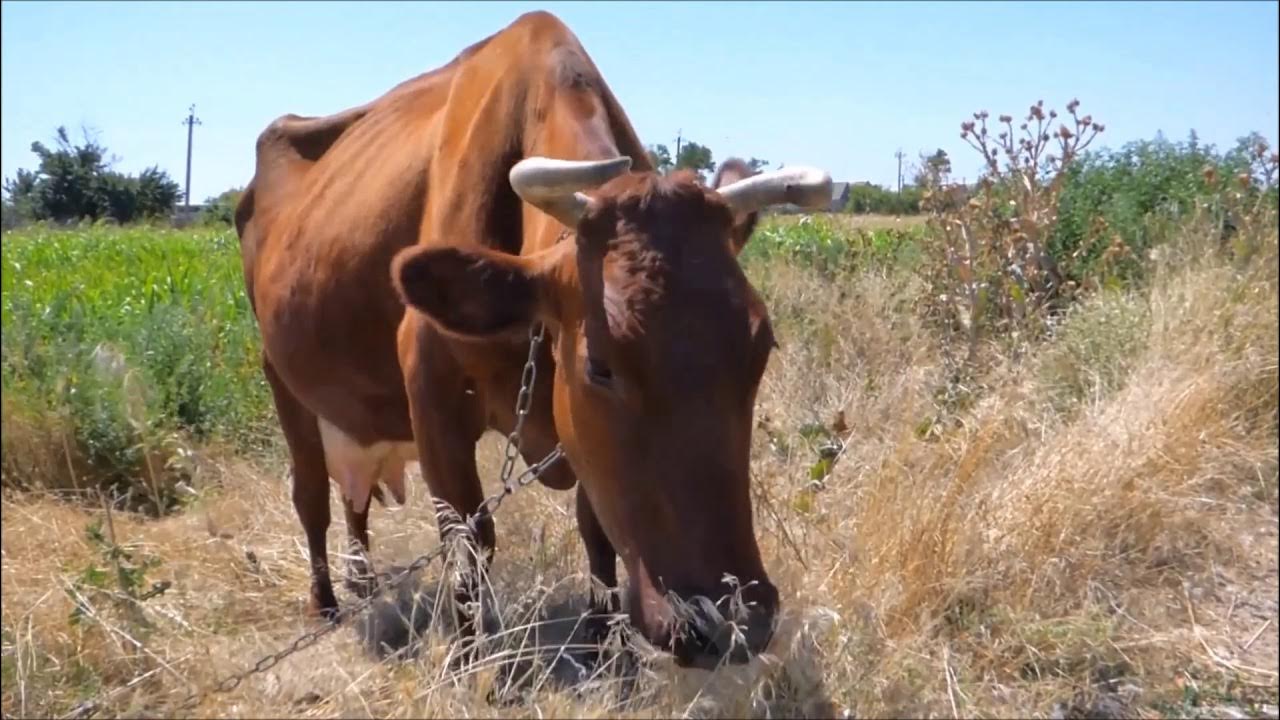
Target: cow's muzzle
(704,634)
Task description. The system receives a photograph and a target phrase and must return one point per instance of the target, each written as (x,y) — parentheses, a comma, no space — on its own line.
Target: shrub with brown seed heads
(991,264)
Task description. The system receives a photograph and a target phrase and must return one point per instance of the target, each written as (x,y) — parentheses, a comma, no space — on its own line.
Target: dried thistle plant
(992,269)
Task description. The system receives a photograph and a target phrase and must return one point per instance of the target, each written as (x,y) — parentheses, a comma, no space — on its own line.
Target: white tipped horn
(807,187)
(553,185)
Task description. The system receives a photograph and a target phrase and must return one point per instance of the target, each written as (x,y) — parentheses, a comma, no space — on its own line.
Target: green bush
(1115,195)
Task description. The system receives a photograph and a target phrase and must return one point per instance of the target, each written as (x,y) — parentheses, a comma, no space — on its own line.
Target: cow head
(660,344)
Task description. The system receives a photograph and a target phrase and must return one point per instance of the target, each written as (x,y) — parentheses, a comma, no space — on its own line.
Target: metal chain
(487,508)
(308,639)
(528,378)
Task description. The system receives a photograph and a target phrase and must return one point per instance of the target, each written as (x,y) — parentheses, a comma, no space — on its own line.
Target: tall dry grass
(1092,531)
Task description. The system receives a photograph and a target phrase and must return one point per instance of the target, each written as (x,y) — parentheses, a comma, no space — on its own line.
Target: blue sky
(840,85)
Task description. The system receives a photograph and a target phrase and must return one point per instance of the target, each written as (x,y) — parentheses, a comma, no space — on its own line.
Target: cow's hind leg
(603,561)
(354,469)
(310,487)
(360,578)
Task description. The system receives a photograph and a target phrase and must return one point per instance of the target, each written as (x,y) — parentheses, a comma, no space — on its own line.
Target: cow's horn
(804,186)
(553,185)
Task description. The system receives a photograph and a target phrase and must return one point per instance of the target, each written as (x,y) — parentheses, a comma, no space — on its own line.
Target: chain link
(524,400)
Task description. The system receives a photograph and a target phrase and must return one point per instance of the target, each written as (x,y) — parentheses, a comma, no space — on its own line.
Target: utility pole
(191,123)
(899,155)
(675,161)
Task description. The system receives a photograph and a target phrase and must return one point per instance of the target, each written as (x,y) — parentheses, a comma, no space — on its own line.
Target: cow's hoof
(328,614)
(323,606)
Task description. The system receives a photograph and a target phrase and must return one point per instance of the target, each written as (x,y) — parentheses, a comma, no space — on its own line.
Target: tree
(933,169)
(17,207)
(756,164)
(939,161)
(157,192)
(660,157)
(76,181)
(66,186)
(695,157)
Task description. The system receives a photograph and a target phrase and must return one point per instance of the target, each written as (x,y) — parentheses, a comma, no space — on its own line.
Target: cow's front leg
(602,559)
(447,422)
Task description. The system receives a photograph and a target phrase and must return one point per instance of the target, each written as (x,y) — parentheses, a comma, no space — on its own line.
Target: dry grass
(1097,525)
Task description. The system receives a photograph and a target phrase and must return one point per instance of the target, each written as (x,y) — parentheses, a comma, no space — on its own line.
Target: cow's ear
(744,224)
(470,292)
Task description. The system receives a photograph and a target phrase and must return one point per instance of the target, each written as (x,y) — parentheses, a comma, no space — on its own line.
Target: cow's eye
(598,373)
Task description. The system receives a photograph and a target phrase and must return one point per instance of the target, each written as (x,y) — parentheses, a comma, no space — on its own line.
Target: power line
(191,121)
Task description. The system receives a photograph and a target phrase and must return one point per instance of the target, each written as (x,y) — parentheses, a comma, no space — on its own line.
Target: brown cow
(656,340)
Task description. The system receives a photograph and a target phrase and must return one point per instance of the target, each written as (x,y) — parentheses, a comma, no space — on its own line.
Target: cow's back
(331,202)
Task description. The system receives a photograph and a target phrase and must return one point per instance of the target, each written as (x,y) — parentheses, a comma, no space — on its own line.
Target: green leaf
(820,469)
(93,576)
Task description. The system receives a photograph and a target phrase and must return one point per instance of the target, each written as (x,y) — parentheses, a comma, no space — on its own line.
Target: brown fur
(416,182)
